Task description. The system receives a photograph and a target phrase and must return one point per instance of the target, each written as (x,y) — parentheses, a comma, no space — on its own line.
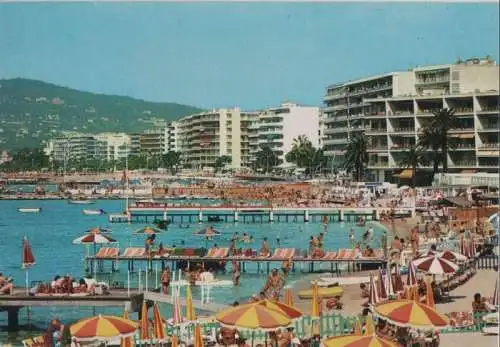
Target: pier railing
(489,262)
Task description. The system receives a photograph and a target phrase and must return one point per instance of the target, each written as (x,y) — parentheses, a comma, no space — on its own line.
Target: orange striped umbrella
(287,310)
(159,330)
(198,337)
(253,317)
(315,311)
(288,299)
(144,323)
(103,328)
(429,299)
(126,341)
(190,313)
(409,313)
(357,327)
(369,326)
(175,341)
(357,341)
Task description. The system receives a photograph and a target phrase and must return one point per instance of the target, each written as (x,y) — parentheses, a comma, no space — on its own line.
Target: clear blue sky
(221,55)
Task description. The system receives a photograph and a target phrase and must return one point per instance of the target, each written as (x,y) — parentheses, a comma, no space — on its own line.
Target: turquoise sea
(52,231)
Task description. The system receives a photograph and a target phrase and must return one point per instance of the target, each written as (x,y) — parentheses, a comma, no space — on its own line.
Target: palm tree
(171,160)
(266,159)
(221,161)
(444,121)
(413,158)
(429,139)
(356,156)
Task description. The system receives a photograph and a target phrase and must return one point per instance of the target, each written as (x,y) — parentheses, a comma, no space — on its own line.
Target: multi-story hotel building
(279,126)
(117,145)
(203,137)
(76,147)
(172,129)
(392,109)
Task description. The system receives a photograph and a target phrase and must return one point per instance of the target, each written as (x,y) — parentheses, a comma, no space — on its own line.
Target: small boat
(81,202)
(89,212)
(29,209)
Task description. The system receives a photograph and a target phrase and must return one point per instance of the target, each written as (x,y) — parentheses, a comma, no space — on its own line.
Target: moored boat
(90,212)
(29,209)
(81,202)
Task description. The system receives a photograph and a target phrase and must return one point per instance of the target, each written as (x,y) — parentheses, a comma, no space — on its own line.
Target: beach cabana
(410,314)
(103,328)
(357,341)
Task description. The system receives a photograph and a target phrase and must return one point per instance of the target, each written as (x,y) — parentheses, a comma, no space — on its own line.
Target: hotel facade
(392,109)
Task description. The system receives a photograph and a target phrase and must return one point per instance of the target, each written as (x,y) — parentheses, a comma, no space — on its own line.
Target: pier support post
(377,214)
(306,216)
(235,216)
(200,216)
(13,318)
(341,215)
(165,217)
(271,216)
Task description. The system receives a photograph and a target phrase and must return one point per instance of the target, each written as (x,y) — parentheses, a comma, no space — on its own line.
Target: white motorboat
(29,209)
(89,212)
(81,202)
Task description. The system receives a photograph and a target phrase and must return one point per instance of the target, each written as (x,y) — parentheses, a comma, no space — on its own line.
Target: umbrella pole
(252,337)
(156,275)
(27,283)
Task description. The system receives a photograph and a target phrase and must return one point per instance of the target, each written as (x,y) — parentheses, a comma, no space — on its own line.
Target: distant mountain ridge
(32,111)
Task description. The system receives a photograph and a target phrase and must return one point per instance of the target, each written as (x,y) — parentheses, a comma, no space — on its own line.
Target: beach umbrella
(382,291)
(357,327)
(408,293)
(103,328)
(435,265)
(288,297)
(126,341)
(98,230)
(409,313)
(316,309)
(411,279)
(144,323)
(369,326)
(158,327)
(174,342)
(452,256)
(93,238)
(190,313)
(198,337)
(494,300)
(389,284)
(373,297)
(357,341)
(289,311)
(429,297)
(149,230)
(253,317)
(207,232)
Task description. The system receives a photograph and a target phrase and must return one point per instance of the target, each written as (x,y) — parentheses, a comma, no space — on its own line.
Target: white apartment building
(172,130)
(76,147)
(391,109)
(279,126)
(117,145)
(203,137)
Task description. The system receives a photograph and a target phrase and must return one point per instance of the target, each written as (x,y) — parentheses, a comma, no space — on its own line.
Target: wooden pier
(145,213)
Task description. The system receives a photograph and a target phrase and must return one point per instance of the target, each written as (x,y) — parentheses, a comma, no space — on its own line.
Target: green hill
(32,111)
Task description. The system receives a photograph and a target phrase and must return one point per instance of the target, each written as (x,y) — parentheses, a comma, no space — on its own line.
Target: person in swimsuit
(286,266)
(264,250)
(273,285)
(165,280)
(236,273)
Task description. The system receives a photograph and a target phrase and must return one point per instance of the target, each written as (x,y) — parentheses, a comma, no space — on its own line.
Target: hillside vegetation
(32,111)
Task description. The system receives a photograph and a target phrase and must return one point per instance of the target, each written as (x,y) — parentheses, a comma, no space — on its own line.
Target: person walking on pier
(165,280)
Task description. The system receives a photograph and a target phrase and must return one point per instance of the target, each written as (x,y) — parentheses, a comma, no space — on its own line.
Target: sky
(251,55)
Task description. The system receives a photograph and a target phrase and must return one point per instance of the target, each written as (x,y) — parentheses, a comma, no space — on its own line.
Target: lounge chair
(218,253)
(134,252)
(107,252)
(283,253)
(330,256)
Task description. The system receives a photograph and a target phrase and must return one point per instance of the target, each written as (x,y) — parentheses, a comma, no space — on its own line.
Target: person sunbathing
(81,288)
(56,284)
(8,286)
(365,293)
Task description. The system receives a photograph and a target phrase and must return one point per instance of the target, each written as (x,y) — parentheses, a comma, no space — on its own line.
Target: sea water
(52,231)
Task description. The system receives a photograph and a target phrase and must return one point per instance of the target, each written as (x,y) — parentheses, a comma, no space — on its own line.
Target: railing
(486,262)
(489,146)
(404,130)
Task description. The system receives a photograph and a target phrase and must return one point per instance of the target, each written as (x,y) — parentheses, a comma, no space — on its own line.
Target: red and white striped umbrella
(374,298)
(411,279)
(389,285)
(177,313)
(494,300)
(452,256)
(435,265)
(382,291)
(93,238)
(28,258)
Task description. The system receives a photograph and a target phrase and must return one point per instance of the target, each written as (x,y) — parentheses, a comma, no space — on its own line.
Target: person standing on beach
(236,273)
(264,250)
(165,280)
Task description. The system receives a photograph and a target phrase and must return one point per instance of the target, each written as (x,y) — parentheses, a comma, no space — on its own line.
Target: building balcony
(400,114)
(399,131)
(378,165)
(488,129)
(401,147)
(336,130)
(381,148)
(487,110)
(335,141)
(489,153)
(463,164)
(424,113)
(489,146)
(376,131)
(371,115)
(368,90)
(432,80)
(461,111)
(334,96)
(335,108)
